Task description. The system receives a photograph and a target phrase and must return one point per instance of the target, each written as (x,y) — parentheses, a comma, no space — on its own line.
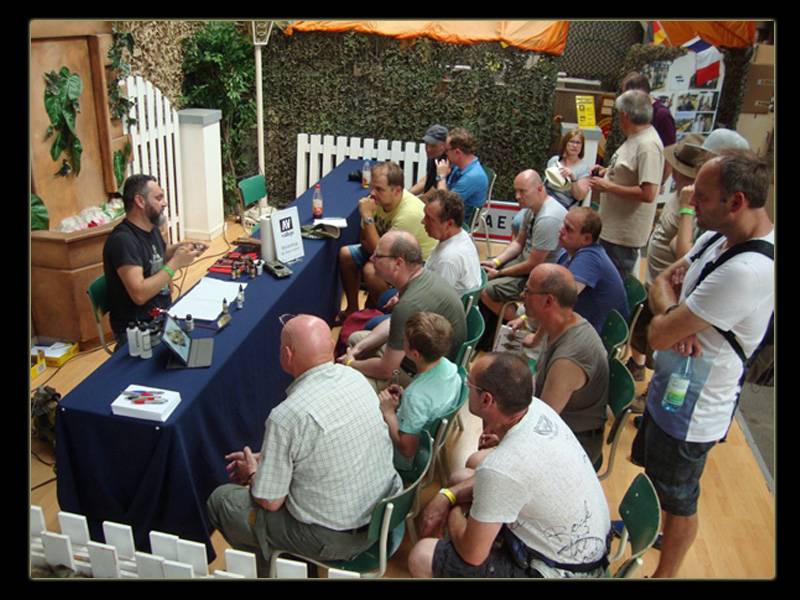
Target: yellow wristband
(497,262)
(170,271)
(348,362)
(524,317)
(447,493)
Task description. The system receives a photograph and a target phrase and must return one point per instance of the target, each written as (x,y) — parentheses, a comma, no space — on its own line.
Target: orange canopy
(730,34)
(536,36)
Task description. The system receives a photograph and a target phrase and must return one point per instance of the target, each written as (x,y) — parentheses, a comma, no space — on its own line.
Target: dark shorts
(447,563)
(675,467)
(623,257)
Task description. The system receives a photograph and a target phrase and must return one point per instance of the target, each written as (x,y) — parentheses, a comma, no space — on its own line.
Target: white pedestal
(201,162)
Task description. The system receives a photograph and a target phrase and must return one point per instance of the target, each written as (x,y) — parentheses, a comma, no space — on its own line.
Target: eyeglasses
(472,385)
(527,292)
(575,142)
(285,318)
(376,256)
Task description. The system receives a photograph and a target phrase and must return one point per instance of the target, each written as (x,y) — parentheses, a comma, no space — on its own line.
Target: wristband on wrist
(497,262)
(368,221)
(524,317)
(448,493)
(687,211)
(348,362)
(671,308)
(170,271)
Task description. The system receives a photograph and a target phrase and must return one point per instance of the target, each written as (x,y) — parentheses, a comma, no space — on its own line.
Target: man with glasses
(461,172)
(325,461)
(398,260)
(527,516)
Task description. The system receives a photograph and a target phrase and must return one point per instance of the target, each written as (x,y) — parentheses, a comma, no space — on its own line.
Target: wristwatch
(368,221)
(439,178)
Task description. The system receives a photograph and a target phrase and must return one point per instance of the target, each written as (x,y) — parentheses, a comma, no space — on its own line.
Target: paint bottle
(144,334)
(240,297)
(133,340)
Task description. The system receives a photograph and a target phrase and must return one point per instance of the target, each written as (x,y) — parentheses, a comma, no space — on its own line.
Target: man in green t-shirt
(389,206)
(398,260)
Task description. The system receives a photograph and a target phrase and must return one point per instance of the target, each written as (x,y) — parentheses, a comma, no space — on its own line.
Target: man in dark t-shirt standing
(434,139)
(137,263)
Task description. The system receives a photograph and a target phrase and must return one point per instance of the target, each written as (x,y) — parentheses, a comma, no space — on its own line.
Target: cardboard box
(759,89)
(56,352)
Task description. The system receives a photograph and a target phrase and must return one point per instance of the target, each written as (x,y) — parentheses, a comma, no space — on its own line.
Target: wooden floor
(736,537)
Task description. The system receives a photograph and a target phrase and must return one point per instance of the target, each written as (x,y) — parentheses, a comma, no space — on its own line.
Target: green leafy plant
(61,103)
(121,160)
(219,72)
(40,218)
(120,105)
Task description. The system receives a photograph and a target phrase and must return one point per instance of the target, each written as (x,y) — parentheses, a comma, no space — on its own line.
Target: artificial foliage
(121,49)
(367,86)
(219,73)
(61,102)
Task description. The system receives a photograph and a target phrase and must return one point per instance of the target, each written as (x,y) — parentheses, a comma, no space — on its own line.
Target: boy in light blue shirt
(434,392)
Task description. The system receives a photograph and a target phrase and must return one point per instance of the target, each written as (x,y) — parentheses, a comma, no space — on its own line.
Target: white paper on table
(204,301)
(332,221)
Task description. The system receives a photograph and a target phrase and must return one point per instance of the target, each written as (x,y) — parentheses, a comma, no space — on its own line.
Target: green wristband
(686,211)
(170,271)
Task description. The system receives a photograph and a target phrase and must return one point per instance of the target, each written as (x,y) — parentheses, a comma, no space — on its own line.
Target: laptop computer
(186,352)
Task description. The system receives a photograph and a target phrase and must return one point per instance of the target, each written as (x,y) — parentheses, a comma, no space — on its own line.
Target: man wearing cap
(676,228)
(461,172)
(434,139)
(629,186)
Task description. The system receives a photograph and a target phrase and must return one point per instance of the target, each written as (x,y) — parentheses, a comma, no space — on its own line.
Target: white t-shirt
(540,481)
(737,297)
(456,261)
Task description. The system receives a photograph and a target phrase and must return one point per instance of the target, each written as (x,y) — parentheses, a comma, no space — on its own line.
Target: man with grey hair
(398,260)
(629,185)
(325,462)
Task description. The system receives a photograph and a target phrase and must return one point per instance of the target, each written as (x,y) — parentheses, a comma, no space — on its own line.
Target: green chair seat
(475,329)
(98,297)
(621,392)
(614,332)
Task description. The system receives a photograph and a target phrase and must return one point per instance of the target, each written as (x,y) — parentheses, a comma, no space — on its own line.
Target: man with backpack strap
(712,306)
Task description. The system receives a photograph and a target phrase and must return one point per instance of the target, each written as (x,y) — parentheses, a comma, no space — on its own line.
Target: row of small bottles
(140,337)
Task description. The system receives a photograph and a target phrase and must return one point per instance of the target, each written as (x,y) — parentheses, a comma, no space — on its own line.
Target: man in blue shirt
(461,172)
(600,286)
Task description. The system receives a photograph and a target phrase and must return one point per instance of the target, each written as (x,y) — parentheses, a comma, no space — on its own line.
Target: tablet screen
(176,339)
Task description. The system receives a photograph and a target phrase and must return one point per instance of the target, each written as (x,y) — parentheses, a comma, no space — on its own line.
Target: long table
(158,476)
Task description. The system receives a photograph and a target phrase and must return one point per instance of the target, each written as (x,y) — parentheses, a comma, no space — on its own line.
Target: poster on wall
(693,106)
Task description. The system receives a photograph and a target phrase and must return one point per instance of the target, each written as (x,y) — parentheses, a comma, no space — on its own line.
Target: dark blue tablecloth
(158,476)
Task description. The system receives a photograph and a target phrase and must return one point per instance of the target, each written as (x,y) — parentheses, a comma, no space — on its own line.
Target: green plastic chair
(386,529)
(614,332)
(641,513)
(251,191)
(479,216)
(637,296)
(621,392)
(468,298)
(98,297)
(475,329)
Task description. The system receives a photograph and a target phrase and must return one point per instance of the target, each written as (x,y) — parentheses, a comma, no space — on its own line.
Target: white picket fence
(318,154)
(117,558)
(156,147)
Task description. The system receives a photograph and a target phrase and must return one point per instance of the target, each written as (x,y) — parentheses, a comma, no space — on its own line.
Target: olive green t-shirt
(428,292)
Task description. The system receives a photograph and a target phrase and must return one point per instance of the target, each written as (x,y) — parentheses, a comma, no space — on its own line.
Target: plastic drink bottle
(677,386)
(366,174)
(316,203)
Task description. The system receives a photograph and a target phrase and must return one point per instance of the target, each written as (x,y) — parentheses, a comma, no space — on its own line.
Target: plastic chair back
(614,332)
(641,513)
(468,298)
(252,189)
(475,329)
(621,392)
(98,297)
(635,293)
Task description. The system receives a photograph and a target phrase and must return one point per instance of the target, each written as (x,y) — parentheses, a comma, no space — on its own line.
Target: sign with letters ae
(498,221)
(585,111)
(286,234)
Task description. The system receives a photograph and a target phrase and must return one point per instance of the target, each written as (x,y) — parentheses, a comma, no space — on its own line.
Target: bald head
(305,343)
(529,189)
(556,280)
